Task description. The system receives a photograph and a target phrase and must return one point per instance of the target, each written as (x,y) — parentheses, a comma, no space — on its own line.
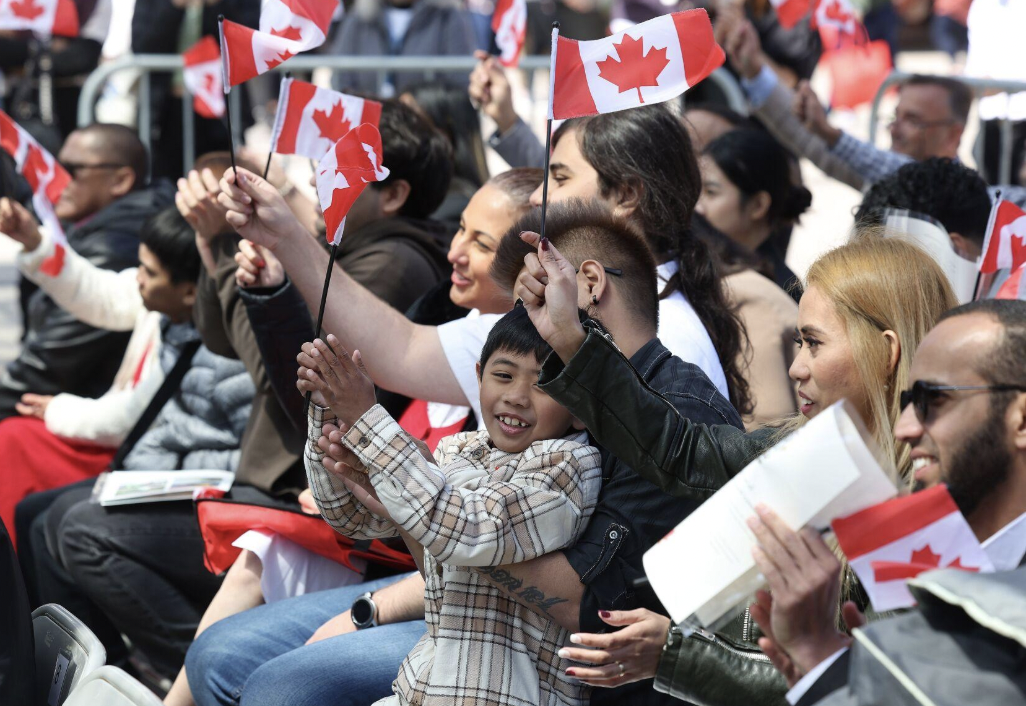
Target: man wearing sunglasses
(964,417)
(102,210)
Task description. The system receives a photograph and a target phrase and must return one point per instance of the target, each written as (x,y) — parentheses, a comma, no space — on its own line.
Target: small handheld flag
(648,63)
(47,179)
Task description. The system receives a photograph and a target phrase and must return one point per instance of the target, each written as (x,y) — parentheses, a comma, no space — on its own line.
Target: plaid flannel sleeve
(869,161)
(338,506)
(543,507)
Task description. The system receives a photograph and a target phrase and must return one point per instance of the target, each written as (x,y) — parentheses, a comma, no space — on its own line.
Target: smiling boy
(523,486)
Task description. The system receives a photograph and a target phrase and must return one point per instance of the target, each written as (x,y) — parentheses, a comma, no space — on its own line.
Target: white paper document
(703,569)
(127,487)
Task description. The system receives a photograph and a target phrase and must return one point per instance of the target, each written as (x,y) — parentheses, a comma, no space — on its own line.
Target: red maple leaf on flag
(634,69)
(208,83)
(332,125)
(836,11)
(27,9)
(925,556)
(290,32)
(280,59)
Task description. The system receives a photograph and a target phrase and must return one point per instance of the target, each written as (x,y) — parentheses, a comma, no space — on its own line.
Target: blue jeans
(258,657)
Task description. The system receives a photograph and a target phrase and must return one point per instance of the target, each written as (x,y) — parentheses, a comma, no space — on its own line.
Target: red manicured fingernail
(544,243)
(571,673)
(604,613)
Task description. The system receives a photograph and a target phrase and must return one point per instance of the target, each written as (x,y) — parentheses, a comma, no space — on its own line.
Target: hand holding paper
(804,579)
(704,568)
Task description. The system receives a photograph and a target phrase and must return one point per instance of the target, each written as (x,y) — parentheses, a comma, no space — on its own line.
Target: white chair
(65,652)
(110,686)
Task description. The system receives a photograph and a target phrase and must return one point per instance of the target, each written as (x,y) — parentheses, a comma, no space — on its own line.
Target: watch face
(361,611)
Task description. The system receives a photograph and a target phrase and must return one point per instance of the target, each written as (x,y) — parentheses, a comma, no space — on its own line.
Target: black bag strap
(167,388)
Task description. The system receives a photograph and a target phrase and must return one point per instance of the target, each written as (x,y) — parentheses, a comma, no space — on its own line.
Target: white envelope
(703,569)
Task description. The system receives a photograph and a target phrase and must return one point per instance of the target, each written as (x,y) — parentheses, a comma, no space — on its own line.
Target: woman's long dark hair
(649,149)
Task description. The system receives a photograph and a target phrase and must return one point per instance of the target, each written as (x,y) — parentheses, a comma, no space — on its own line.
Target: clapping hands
(336,381)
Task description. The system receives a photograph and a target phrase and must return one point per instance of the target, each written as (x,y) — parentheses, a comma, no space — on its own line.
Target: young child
(523,486)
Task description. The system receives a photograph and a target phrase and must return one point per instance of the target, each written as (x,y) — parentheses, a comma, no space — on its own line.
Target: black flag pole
(320,309)
(227,92)
(548,129)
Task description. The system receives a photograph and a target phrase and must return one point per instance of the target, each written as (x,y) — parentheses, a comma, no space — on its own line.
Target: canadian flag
(889,543)
(838,15)
(1004,248)
(344,172)
(287,27)
(45,177)
(648,63)
(202,76)
(310,119)
(1015,286)
(44,17)
(791,12)
(509,22)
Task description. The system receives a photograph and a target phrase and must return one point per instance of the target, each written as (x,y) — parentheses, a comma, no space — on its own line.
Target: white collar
(1007,547)
(666,270)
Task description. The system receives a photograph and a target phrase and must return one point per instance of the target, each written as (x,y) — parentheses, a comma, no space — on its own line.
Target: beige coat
(769,316)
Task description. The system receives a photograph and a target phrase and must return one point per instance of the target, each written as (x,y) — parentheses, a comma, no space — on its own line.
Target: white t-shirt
(680,330)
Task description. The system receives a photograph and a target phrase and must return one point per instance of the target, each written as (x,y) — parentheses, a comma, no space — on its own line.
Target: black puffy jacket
(60,353)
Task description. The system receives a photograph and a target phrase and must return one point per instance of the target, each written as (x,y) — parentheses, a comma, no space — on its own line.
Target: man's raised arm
(402,356)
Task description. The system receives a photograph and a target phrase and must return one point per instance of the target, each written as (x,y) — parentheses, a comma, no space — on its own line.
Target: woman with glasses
(866,307)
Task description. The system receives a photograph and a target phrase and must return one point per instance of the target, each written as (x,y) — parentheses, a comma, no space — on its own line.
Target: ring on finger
(623,669)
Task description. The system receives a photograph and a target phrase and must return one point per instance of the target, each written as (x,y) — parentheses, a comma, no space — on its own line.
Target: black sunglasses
(74,167)
(924,394)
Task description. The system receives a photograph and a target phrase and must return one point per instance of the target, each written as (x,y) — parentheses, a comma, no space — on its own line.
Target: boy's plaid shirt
(478,507)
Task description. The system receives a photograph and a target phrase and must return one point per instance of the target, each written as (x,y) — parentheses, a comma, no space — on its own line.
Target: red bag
(221,522)
(857,72)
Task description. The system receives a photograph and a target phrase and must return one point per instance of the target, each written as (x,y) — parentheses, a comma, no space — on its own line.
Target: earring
(887,387)
(594,300)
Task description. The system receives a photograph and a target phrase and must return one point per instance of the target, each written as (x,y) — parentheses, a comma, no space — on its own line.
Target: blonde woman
(866,307)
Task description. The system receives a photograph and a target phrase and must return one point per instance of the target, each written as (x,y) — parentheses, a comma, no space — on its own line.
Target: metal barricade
(430,66)
(979,86)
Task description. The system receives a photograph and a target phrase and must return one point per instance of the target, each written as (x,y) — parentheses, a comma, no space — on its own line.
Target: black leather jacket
(687,460)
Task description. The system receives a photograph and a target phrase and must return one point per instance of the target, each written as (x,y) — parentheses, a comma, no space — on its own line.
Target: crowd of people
(491,428)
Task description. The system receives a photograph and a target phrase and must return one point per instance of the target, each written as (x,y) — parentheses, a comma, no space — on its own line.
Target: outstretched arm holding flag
(397,351)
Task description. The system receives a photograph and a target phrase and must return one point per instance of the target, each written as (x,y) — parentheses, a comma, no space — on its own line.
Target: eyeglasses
(923,394)
(74,167)
(615,271)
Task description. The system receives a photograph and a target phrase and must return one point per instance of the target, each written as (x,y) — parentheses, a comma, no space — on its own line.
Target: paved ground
(826,225)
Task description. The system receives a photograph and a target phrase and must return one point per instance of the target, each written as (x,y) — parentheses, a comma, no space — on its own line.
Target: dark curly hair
(941,188)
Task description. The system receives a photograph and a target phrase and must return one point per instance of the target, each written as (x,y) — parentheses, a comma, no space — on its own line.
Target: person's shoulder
(572,451)
(751,289)
(692,393)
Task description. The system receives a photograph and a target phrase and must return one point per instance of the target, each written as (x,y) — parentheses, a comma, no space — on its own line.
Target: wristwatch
(364,612)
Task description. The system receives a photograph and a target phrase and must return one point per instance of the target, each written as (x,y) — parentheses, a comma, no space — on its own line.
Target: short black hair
(941,188)
(960,96)
(415,151)
(171,239)
(515,333)
(122,145)
(585,230)
(1003,365)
